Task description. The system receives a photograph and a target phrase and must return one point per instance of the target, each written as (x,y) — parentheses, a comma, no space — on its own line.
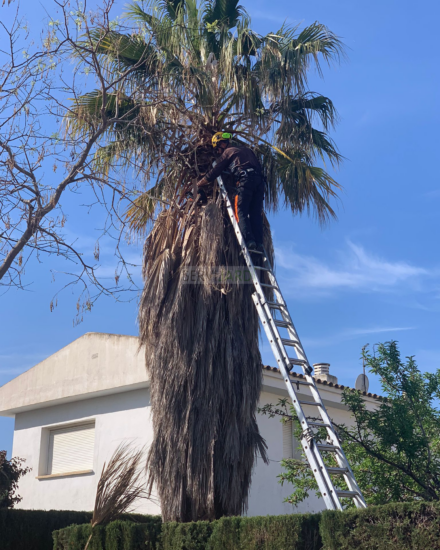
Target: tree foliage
(214,73)
(393,450)
(10,473)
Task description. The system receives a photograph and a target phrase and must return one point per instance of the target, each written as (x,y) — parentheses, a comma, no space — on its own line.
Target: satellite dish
(362,383)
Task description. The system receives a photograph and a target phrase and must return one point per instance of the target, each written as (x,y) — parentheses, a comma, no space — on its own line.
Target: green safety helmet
(220,136)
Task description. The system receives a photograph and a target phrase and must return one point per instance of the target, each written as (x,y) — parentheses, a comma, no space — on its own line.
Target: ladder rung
(297,362)
(261,268)
(348,494)
(337,471)
(255,252)
(275,305)
(318,424)
(311,403)
(282,324)
(299,383)
(268,286)
(287,342)
(327,447)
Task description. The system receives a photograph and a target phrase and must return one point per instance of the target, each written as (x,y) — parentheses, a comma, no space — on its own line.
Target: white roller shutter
(71,449)
(287,439)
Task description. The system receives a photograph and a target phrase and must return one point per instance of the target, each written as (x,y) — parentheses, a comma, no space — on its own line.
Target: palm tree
(201,69)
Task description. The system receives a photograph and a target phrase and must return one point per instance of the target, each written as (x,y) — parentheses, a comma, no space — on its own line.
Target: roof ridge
(323,382)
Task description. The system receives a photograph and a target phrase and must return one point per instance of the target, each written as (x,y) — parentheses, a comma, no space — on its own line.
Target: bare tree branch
(42,156)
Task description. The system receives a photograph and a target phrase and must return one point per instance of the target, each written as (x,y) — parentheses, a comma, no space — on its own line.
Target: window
(291,446)
(71,449)
(287,439)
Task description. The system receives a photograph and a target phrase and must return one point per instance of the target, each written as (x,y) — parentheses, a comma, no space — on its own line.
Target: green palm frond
(219,17)
(306,106)
(302,187)
(142,210)
(325,148)
(121,52)
(136,13)
(307,188)
(163,9)
(172,7)
(317,41)
(247,42)
(89,109)
(132,149)
(287,55)
(225,13)
(164,22)
(105,156)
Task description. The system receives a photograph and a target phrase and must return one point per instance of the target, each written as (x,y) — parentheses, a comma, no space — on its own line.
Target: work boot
(260,248)
(252,245)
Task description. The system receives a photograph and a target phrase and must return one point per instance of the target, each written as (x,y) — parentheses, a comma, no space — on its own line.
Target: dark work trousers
(249,207)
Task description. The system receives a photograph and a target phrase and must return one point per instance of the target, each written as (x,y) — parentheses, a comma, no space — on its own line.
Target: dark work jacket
(235,159)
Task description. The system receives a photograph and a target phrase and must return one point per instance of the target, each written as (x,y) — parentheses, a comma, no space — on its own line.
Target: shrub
(10,473)
(290,532)
(293,532)
(32,529)
(186,536)
(117,535)
(404,526)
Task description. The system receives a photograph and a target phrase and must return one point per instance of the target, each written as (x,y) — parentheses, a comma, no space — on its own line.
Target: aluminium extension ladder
(267,311)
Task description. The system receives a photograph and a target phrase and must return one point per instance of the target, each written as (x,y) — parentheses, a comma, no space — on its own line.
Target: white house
(74,408)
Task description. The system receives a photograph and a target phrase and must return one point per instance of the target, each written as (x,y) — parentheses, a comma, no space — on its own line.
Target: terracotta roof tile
(323,382)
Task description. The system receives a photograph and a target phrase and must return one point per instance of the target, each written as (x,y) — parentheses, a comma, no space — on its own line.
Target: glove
(201,196)
(202,182)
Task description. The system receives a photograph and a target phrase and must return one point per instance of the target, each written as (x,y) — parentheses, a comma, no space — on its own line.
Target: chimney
(322,371)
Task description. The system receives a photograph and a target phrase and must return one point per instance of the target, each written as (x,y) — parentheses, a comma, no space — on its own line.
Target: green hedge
(186,536)
(118,535)
(32,529)
(414,526)
(393,527)
(293,532)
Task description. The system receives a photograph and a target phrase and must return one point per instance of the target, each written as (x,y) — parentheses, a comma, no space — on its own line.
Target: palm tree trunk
(202,354)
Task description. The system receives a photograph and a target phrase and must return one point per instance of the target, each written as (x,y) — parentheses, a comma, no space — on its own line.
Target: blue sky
(371,276)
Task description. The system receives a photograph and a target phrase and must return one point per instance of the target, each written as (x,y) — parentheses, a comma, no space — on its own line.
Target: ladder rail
(320,470)
(299,350)
(315,459)
(340,457)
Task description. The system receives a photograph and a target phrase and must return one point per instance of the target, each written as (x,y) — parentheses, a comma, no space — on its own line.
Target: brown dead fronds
(119,486)
(201,344)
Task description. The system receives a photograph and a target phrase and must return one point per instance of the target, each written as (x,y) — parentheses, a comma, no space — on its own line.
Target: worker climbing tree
(204,73)
(244,167)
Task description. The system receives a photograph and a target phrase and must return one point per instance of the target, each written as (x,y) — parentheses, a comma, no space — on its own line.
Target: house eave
(73,398)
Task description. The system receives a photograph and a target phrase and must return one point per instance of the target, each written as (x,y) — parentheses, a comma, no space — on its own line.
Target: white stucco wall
(267,495)
(126,417)
(118,418)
